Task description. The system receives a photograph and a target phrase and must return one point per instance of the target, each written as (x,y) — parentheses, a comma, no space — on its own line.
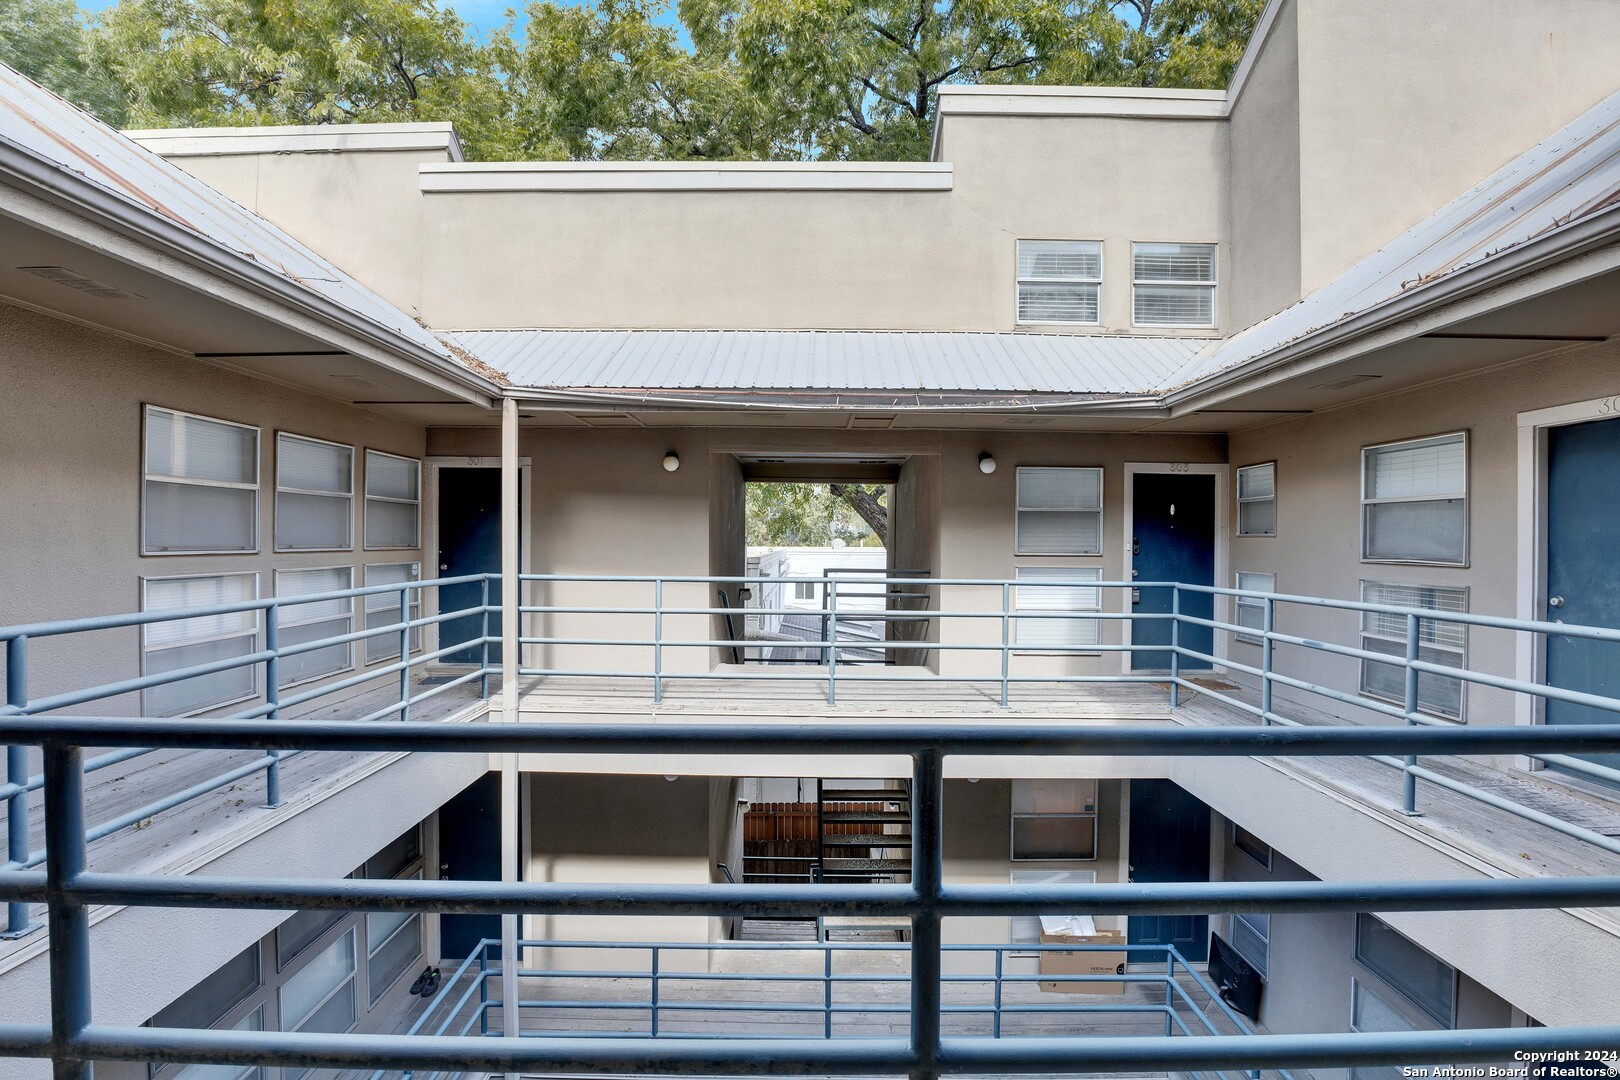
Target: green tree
(814,515)
(47,41)
(199,62)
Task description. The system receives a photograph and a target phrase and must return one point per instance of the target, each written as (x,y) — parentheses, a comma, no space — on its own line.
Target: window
(1026,929)
(302,623)
(319,996)
(300,931)
(1414,501)
(1251,937)
(1059,512)
(1250,611)
(1174,284)
(1257,500)
(1251,845)
(1059,281)
(1420,976)
(393,938)
(1054,634)
(314,495)
(253,1021)
(1370,1011)
(1054,819)
(200,493)
(804,590)
(383,609)
(393,501)
(211,1000)
(188,643)
(1439,642)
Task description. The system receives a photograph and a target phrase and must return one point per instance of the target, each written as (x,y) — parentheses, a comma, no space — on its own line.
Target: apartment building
(1289,408)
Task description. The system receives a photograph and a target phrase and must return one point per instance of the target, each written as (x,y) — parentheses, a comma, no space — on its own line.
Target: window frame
(1238,845)
(1019,281)
(148,477)
(283,622)
(414,869)
(1213,285)
(1013,817)
(1362,634)
(367,498)
(1467,508)
(1385,978)
(411,612)
(1241,602)
(1100,510)
(1016,876)
(1237,489)
(344,928)
(1261,962)
(1021,649)
(257,633)
(277,546)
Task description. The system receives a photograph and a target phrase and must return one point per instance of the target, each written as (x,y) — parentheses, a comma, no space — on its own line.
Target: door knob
(1555,601)
(444,566)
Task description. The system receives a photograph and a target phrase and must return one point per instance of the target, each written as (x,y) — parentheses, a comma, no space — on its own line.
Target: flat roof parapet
(688,176)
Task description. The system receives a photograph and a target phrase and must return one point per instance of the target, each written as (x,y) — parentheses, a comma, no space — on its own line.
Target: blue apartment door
(1583,571)
(469,543)
(470,850)
(1173,527)
(1169,842)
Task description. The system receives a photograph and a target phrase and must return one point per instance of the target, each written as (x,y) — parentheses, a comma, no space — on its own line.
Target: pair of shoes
(422,980)
(430,983)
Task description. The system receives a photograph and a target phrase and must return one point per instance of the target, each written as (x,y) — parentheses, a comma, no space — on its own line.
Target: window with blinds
(1059,511)
(189,643)
(1251,937)
(1173,284)
(1250,611)
(1257,500)
(384,609)
(393,501)
(1414,501)
(306,622)
(1049,633)
(314,494)
(200,486)
(1421,977)
(1439,642)
(1059,281)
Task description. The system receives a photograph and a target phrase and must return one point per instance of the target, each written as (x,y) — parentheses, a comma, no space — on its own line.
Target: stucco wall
(70,477)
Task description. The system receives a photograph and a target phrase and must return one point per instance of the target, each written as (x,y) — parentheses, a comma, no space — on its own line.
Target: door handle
(1136,596)
(1555,601)
(444,566)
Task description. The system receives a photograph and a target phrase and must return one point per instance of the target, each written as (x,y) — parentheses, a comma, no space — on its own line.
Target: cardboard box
(1083,962)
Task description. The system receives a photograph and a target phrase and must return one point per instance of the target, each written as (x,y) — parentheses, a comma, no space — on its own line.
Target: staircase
(856,843)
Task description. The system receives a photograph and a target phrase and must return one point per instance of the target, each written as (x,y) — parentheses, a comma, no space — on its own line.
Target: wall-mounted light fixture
(672,461)
(987,464)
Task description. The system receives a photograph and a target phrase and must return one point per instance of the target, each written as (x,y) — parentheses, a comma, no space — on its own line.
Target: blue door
(1169,842)
(1173,519)
(470,850)
(1583,570)
(469,543)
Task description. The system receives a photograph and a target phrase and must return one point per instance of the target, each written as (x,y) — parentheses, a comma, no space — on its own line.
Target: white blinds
(1175,305)
(303,623)
(1071,303)
(1414,505)
(1174,284)
(1059,260)
(1257,481)
(1059,280)
(314,495)
(383,609)
(393,501)
(1439,642)
(1055,633)
(1174,263)
(1059,511)
(187,643)
(1247,610)
(200,492)
(1428,469)
(1257,500)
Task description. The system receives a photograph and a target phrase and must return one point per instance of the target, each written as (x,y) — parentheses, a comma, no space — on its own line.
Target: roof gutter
(1557,245)
(624,398)
(63,188)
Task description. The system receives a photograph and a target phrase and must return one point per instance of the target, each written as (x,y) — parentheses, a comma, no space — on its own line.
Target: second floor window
(200,495)
(393,501)
(1059,512)
(178,644)
(1059,281)
(1414,501)
(1257,500)
(314,494)
(1173,284)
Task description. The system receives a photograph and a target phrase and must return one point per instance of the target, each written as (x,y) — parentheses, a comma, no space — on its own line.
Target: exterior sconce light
(987,464)
(744,595)
(672,461)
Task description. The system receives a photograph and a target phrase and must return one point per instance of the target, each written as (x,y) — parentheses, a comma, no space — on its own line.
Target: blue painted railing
(68,889)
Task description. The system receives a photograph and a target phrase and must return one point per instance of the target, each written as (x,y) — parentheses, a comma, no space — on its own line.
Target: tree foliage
(613,79)
(816,515)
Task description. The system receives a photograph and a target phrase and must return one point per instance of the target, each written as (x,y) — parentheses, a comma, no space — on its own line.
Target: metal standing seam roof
(55,132)
(1562,179)
(825,360)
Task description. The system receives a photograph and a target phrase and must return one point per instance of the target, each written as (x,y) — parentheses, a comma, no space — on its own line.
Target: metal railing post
(654,1024)
(1169,990)
(827,994)
(1408,777)
(927,802)
(995,1021)
(1175,644)
(832,642)
(483,988)
(272,698)
(1006,638)
(483,656)
(69,920)
(404,652)
(17,777)
(658,641)
(1268,623)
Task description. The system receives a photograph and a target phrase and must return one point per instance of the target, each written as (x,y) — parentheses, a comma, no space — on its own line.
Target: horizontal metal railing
(21,782)
(1157,970)
(72,1039)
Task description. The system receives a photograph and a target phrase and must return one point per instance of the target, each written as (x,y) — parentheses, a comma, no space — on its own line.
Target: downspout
(511,867)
